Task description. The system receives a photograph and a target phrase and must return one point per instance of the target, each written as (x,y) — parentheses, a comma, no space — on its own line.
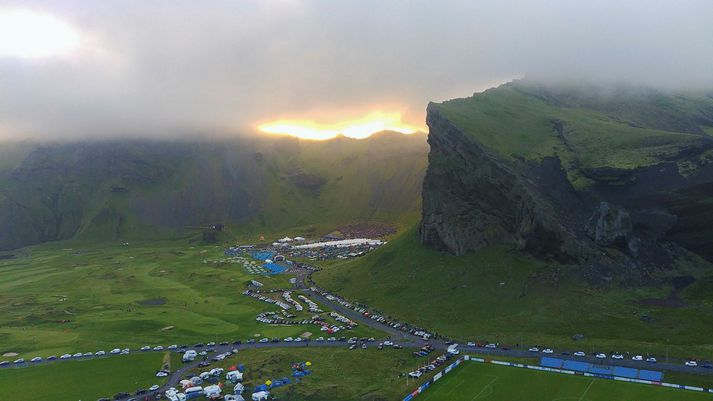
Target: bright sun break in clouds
(358,128)
(30,34)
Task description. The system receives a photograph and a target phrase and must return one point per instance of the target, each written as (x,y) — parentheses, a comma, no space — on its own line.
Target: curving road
(404,339)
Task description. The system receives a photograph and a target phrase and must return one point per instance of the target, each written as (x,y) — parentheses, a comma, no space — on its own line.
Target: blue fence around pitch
(428,383)
(605,371)
(557,365)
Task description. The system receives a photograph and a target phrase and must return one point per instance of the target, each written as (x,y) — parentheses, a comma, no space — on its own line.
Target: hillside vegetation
(498,294)
(587,127)
(132,190)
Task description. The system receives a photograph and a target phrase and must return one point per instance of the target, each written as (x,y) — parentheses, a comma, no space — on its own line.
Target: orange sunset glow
(356,128)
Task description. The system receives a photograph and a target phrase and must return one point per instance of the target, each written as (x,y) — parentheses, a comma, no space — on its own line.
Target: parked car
(77,355)
(264,340)
(51,357)
(471,344)
(100,353)
(637,358)
(534,349)
(692,364)
(579,353)
(65,356)
(617,356)
(491,345)
(154,387)
(548,351)
(115,351)
(651,359)
(172,346)
(158,348)
(145,348)
(19,361)
(36,359)
(4,363)
(600,356)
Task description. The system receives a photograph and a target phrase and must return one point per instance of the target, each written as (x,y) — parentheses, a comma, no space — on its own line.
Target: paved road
(406,340)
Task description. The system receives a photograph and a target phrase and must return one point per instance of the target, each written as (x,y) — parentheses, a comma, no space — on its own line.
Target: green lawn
(338,374)
(478,381)
(499,295)
(81,380)
(59,298)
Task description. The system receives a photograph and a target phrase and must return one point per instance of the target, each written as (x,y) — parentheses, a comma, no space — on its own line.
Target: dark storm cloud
(181,68)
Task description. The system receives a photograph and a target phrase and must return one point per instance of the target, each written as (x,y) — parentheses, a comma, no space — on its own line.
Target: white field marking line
(484,388)
(587,390)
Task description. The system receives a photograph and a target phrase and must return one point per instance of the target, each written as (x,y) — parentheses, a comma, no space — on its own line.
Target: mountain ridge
(611,196)
(117,189)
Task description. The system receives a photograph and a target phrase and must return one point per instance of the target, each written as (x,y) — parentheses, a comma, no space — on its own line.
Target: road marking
(587,390)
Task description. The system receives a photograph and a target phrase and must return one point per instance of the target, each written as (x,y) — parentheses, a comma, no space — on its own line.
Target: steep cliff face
(473,199)
(577,181)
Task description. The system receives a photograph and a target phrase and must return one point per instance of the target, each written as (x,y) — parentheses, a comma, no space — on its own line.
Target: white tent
(260,396)
(234,376)
(211,390)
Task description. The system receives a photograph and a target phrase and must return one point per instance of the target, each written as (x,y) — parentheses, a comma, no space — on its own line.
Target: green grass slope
(70,297)
(586,127)
(497,294)
(110,191)
(82,380)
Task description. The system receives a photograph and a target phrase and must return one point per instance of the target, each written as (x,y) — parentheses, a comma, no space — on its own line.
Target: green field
(82,380)
(478,381)
(63,298)
(500,295)
(624,128)
(338,374)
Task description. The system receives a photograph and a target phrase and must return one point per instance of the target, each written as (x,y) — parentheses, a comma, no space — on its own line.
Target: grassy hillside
(137,190)
(586,127)
(73,297)
(497,294)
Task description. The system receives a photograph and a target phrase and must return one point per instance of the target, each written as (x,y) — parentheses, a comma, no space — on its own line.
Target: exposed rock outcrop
(624,218)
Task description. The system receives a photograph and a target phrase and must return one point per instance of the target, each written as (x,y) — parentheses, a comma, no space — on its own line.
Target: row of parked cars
(115,351)
(431,366)
(598,355)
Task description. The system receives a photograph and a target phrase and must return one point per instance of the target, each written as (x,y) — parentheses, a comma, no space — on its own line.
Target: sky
(169,69)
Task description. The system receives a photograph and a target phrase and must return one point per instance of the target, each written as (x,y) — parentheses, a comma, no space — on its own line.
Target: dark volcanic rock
(474,197)
(307,181)
(610,225)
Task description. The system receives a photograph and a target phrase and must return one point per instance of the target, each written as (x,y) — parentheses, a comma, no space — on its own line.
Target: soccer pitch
(473,381)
